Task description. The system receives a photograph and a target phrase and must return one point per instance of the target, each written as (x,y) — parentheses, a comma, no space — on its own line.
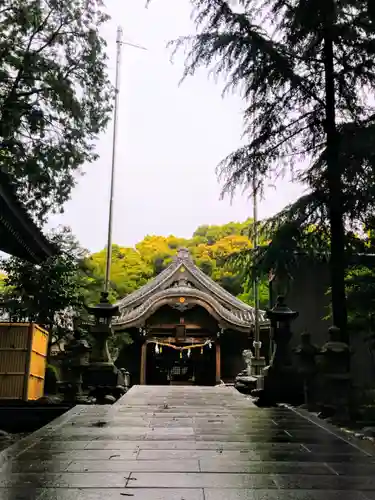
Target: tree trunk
(334,177)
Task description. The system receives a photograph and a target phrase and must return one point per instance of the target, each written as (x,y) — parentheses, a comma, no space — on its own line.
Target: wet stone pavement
(185,443)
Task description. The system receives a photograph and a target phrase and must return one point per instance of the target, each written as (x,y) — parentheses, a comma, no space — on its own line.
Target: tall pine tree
(55,95)
(304,67)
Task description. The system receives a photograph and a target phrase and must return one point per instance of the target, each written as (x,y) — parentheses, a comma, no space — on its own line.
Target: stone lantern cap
(335,343)
(104,309)
(281,312)
(306,345)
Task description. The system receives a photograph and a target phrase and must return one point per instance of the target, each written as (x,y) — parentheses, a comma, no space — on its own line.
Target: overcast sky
(170,139)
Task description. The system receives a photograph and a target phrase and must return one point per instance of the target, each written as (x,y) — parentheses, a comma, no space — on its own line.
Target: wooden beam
(218,362)
(169,326)
(172,340)
(142,378)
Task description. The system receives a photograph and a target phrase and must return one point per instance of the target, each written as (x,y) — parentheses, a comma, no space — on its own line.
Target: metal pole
(256,281)
(115,122)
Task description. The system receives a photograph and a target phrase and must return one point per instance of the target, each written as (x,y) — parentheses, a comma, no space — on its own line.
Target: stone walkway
(185,443)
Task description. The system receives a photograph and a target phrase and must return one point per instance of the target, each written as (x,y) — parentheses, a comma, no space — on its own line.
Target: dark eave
(19,235)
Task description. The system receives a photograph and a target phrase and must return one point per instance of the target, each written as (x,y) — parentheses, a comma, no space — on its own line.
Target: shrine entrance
(185,328)
(180,364)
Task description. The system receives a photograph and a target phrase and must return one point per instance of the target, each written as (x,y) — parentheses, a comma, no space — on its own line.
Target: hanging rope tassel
(180,354)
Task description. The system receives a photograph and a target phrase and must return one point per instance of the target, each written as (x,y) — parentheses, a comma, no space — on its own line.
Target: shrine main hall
(185,328)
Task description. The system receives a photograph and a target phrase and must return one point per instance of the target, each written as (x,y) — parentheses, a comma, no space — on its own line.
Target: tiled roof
(183,278)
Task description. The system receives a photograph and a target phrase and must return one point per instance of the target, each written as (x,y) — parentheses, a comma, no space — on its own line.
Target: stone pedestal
(306,354)
(335,371)
(103,378)
(105,382)
(280,381)
(246,380)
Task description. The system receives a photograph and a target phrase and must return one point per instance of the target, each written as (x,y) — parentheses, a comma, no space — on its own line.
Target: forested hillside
(210,247)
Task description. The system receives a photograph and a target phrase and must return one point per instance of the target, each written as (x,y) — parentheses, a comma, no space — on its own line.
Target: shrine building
(185,328)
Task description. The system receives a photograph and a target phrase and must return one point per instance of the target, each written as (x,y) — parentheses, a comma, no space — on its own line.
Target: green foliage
(264,299)
(2,282)
(211,234)
(361,298)
(360,285)
(128,272)
(50,294)
(55,95)
(212,249)
(51,380)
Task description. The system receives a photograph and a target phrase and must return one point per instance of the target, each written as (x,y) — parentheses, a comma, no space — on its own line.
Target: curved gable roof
(183,277)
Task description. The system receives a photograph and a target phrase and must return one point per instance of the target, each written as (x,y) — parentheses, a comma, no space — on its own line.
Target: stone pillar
(335,366)
(142,378)
(306,354)
(218,362)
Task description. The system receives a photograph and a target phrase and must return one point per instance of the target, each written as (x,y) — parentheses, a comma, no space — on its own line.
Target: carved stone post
(335,365)
(75,361)
(248,357)
(280,380)
(126,376)
(306,354)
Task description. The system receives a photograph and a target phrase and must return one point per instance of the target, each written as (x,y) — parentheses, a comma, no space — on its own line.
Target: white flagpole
(119,44)
(113,169)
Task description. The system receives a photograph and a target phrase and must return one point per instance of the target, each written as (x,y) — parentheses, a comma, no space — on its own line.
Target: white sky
(170,139)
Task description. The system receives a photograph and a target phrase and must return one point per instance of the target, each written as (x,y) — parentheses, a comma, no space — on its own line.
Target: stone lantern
(104,377)
(335,365)
(280,380)
(281,317)
(75,362)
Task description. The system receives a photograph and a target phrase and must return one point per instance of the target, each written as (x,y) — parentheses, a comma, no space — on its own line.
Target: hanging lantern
(156,349)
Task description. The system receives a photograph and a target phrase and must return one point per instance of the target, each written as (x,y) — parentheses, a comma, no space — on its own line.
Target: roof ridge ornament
(183,254)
